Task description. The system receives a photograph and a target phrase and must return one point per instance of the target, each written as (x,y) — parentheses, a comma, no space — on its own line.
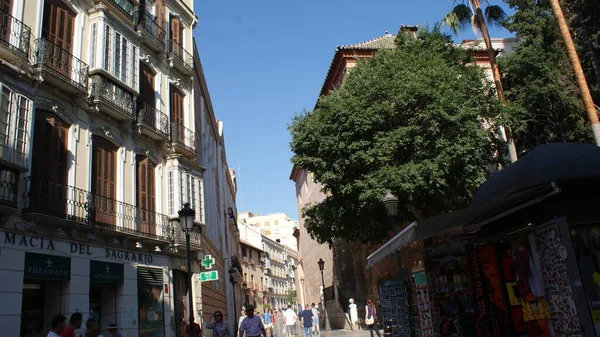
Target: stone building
(101,147)
(280,273)
(276,226)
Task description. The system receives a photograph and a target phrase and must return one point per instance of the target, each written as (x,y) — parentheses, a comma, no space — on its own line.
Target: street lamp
(321,268)
(390,202)
(186,221)
(232,272)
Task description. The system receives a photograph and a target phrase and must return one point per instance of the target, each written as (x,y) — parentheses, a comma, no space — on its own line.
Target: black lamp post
(390,201)
(186,221)
(232,272)
(321,268)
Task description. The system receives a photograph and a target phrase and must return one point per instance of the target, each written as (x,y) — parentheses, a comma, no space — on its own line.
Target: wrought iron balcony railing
(183,136)
(153,118)
(181,55)
(145,23)
(14,34)
(124,6)
(105,91)
(179,237)
(66,202)
(60,63)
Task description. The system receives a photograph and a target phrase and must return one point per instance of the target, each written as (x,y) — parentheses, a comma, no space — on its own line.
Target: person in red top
(197,330)
(75,322)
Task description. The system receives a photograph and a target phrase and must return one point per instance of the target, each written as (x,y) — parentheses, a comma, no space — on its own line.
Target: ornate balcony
(179,237)
(179,58)
(123,9)
(15,37)
(59,67)
(112,99)
(9,187)
(183,139)
(152,122)
(151,33)
(59,203)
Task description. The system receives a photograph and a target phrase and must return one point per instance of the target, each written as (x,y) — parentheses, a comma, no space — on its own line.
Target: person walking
(242,316)
(307,321)
(316,328)
(289,319)
(371,318)
(268,322)
(57,326)
(75,322)
(197,330)
(92,328)
(251,325)
(219,326)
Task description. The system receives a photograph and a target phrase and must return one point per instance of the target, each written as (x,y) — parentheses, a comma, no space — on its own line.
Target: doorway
(103,304)
(40,302)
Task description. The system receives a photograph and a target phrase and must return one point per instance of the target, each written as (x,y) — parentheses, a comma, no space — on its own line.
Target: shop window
(180,295)
(150,302)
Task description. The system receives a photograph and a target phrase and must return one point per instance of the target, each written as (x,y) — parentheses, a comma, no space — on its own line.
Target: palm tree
(576,65)
(462,16)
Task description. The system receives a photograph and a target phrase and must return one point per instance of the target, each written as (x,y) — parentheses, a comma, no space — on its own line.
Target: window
(104,183)
(118,55)
(276,223)
(15,114)
(243,251)
(145,194)
(171,191)
(267,232)
(190,192)
(267,224)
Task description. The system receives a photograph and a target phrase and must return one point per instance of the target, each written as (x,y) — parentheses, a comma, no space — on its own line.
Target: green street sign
(212,275)
(208,262)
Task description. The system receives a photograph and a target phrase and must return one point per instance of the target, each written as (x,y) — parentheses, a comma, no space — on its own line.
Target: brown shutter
(57,27)
(175,32)
(147,85)
(176,106)
(146,194)
(104,180)
(49,164)
(160,14)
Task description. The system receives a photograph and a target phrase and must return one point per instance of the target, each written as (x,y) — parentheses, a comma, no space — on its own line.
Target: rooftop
(386,41)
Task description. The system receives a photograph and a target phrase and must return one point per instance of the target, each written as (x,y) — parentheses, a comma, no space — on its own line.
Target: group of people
(256,325)
(60,328)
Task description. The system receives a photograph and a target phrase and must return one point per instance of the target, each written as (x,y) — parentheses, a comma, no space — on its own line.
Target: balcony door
(177,116)
(176,36)
(5,20)
(48,190)
(146,99)
(146,197)
(57,28)
(104,186)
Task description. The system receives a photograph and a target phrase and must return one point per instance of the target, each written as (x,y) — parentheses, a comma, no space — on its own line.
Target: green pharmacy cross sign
(212,275)
(208,262)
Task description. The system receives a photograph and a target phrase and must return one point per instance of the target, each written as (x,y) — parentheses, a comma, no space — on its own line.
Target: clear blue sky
(264,60)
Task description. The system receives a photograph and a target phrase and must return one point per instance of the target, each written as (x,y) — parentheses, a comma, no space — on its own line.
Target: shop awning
(463,220)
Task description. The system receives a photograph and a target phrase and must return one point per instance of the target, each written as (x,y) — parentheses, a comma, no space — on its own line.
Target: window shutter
(160,13)
(146,194)
(176,106)
(104,184)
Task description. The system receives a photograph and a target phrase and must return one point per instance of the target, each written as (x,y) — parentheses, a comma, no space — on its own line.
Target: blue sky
(264,60)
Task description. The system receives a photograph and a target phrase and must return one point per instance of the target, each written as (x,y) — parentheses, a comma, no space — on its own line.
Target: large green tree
(539,81)
(408,120)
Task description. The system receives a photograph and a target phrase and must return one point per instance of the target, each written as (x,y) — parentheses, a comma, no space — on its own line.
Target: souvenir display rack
(395,307)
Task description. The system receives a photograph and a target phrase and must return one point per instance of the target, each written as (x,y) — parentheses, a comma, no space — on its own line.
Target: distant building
(280,273)
(276,226)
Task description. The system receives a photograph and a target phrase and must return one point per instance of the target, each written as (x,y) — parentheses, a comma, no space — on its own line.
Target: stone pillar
(12,262)
(75,293)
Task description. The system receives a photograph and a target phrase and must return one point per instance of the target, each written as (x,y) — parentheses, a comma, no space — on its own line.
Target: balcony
(15,37)
(153,123)
(179,58)
(183,139)
(271,290)
(59,203)
(111,99)
(244,259)
(59,68)
(123,9)
(179,237)
(9,187)
(150,32)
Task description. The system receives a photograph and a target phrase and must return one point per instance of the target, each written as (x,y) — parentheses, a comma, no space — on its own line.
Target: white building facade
(276,226)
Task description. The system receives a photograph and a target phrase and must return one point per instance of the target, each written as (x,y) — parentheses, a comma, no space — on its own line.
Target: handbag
(370,321)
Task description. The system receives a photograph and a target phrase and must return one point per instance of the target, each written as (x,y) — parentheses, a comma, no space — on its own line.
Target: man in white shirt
(290,318)
(316,327)
(57,326)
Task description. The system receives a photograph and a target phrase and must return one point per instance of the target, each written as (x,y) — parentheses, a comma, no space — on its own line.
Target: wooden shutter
(146,99)
(177,130)
(160,14)
(49,164)
(146,197)
(175,33)
(104,188)
(57,27)
(5,21)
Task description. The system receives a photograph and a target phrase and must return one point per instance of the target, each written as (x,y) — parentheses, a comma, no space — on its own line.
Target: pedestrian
(242,316)
(267,318)
(57,326)
(289,319)
(112,330)
(307,321)
(197,330)
(316,327)
(371,318)
(219,326)
(92,328)
(75,322)
(251,325)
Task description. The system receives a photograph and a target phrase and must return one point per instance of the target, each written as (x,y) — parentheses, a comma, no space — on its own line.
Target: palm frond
(458,19)
(495,15)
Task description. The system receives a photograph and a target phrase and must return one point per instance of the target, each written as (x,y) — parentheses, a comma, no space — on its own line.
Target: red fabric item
(197,330)
(518,322)
(538,329)
(68,332)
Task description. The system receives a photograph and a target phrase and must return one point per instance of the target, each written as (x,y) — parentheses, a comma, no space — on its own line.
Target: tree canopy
(407,120)
(539,82)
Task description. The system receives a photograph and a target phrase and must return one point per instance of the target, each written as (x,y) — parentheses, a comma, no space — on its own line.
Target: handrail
(61,63)
(14,33)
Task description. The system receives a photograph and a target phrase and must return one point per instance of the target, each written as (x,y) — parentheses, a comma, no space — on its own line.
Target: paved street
(277,332)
